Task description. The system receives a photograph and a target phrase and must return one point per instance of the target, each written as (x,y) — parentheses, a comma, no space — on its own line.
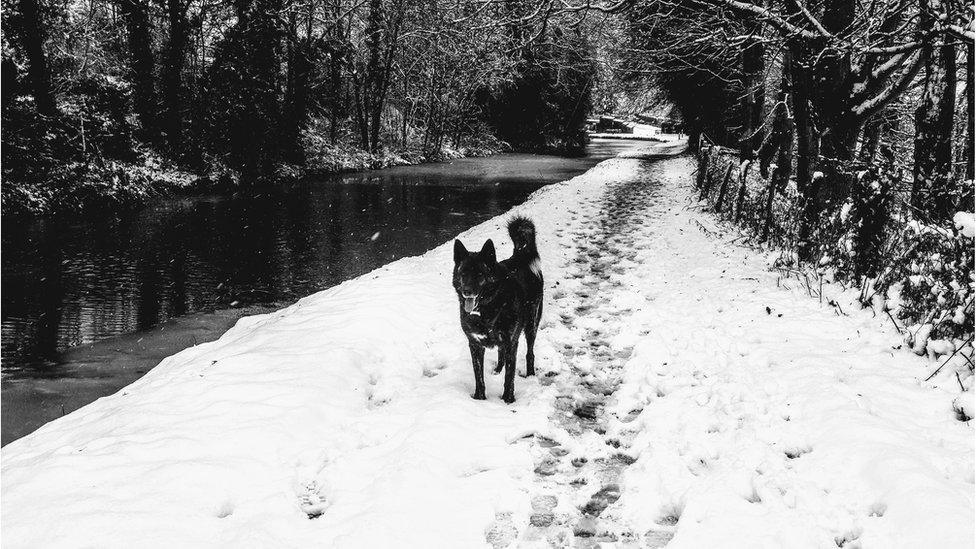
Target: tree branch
(869,107)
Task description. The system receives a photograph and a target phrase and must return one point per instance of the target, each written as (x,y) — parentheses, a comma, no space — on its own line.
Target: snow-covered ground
(642,132)
(685,396)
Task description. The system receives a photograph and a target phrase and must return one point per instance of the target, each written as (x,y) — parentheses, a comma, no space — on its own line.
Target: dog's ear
(460,252)
(488,252)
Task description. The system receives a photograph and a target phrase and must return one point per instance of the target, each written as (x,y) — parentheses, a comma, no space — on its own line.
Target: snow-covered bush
(920,273)
(931,280)
(325,155)
(84,156)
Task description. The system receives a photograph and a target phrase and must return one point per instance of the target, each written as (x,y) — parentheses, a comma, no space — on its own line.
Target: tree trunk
(263,34)
(833,85)
(871,139)
(753,95)
(807,149)
(33,36)
(334,94)
(371,106)
(173,75)
(780,137)
(136,16)
(933,189)
(299,75)
(970,111)
(871,212)
(359,92)
(9,81)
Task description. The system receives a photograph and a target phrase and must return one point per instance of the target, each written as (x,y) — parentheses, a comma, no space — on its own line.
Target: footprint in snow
(548,467)
(601,500)
(502,532)
(583,309)
(877,509)
(374,400)
(754,496)
(225,509)
(585,528)
(797,451)
(312,500)
(435,370)
(848,538)
(623,459)
(631,415)
(670,516)
(587,410)
(542,510)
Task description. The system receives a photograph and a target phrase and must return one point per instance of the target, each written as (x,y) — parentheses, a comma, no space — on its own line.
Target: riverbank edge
(28,460)
(111,345)
(124,185)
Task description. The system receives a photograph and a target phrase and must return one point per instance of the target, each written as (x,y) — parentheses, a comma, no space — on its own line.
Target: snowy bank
(743,413)
(355,399)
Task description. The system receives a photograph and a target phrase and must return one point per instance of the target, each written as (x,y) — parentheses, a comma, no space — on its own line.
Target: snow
(728,408)
(965,222)
(640,132)
(646,130)
(965,404)
(845,211)
(938,347)
(919,337)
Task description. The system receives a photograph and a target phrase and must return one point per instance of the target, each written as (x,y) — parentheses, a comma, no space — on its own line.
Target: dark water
(89,305)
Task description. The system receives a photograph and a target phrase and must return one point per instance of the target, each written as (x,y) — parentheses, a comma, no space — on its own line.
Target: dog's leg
(531,327)
(511,348)
(501,360)
(478,361)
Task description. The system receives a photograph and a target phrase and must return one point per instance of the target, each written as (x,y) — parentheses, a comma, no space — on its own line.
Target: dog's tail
(522,231)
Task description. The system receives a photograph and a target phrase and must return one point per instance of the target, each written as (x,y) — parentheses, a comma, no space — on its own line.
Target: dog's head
(474,272)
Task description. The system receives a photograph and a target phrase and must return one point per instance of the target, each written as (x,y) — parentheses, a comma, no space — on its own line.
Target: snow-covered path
(685,398)
(701,403)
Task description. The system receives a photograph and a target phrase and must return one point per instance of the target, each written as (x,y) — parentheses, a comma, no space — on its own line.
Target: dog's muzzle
(470,302)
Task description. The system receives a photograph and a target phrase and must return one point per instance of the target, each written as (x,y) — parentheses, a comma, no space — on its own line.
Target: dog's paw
(497,370)
(509,399)
(479,396)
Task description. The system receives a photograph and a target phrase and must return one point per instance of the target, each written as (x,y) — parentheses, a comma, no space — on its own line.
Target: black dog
(498,301)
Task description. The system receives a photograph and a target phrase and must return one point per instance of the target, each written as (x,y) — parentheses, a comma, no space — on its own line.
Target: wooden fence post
(703,155)
(707,183)
(770,193)
(722,189)
(740,198)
